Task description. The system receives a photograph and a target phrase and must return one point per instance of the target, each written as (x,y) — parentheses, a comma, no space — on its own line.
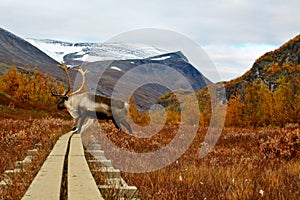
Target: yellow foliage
(29,87)
(260,107)
(137,116)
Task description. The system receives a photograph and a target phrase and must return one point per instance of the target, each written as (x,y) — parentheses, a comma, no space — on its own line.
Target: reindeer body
(87,104)
(83,105)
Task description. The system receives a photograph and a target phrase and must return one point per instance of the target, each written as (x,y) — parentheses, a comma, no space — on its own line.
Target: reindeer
(81,105)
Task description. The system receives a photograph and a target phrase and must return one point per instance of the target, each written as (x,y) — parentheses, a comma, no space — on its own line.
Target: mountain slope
(283,62)
(142,75)
(108,62)
(16,51)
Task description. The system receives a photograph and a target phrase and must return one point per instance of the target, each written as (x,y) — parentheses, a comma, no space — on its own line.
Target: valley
(255,157)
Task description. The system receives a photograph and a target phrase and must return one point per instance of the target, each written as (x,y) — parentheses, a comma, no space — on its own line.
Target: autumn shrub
(194,108)
(172,111)
(28,88)
(234,169)
(17,136)
(257,106)
(138,117)
(284,145)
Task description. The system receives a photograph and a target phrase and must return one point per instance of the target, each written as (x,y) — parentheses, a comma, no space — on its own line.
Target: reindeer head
(65,97)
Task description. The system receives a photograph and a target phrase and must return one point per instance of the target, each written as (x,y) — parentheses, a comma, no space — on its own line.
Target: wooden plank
(47,183)
(81,184)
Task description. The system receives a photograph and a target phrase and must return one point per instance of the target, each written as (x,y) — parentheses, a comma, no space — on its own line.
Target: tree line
(259,107)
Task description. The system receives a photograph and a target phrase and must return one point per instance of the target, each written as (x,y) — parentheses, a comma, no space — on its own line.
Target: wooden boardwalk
(81,184)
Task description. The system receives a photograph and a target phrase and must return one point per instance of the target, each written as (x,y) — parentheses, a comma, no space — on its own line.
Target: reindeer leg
(76,117)
(75,124)
(125,123)
(117,124)
(83,117)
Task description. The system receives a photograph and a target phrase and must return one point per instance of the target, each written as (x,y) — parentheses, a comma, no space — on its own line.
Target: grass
(17,136)
(242,165)
(245,163)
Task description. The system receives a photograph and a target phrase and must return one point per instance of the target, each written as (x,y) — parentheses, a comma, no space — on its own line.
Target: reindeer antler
(64,67)
(83,74)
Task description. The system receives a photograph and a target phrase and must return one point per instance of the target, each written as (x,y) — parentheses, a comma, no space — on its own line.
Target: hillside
(270,68)
(142,73)
(16,51)
(267,95)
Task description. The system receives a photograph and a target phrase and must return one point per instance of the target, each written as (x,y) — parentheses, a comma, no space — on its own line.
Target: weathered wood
(47,183)
(81,184)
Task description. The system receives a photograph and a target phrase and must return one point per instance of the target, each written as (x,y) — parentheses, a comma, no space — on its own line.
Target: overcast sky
(233,33)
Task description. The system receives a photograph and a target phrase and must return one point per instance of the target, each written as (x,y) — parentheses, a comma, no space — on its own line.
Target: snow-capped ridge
(74,53)
(55,49)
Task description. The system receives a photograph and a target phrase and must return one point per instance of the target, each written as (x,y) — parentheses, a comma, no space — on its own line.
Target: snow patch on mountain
(55,49)
(161,58)
(116,68)
(91,52)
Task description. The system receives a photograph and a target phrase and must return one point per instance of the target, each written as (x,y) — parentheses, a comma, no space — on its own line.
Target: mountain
(76,53)
(16,51)
(283,62)
(141,75)
(152,71)
(108,62)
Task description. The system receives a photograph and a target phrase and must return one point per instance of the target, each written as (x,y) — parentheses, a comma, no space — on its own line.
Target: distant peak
(176,54)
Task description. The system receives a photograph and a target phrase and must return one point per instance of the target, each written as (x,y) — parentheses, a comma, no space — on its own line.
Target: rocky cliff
(269,68)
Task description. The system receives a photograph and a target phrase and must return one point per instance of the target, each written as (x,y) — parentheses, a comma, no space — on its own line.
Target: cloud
(207,22)
(234,60)
(214,24)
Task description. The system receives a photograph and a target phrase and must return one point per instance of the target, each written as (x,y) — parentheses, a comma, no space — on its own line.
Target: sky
(233,33)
